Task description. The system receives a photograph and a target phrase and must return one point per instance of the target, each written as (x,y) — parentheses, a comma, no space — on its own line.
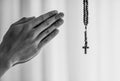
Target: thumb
(23,20)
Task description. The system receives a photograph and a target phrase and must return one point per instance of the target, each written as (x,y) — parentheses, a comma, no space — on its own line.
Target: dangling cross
(85,47)
(85,21)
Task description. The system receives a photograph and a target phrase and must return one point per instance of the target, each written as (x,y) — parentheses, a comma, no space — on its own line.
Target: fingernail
(59,15)
(59,22)
(56,31)
(53,12)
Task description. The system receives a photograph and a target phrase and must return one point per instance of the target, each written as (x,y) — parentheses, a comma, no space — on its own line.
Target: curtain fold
(55,60)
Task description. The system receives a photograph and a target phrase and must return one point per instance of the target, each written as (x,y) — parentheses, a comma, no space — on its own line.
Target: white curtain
(63,59)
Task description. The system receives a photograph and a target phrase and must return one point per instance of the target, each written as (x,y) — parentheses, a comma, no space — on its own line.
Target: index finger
(43,17)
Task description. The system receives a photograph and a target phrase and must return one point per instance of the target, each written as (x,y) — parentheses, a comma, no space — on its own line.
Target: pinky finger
(48,38)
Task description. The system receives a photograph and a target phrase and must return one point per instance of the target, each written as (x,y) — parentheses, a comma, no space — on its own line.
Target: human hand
(27,36)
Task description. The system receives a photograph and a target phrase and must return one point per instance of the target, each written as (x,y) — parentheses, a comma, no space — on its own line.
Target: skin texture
(26,37)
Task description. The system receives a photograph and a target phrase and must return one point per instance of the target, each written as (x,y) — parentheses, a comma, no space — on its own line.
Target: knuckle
(23,18)
(30,36)
(14,28)
(46,40)
(13,25)
(27,26)
(27,35)
(47,31)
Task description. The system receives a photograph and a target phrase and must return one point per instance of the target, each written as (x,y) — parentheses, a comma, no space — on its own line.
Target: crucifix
(85,47)
(85,21)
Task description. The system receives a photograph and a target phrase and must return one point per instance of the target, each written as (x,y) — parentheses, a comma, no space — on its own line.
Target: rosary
(85,21)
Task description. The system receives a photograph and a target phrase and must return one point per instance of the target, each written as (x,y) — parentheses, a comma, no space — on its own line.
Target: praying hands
(26,37)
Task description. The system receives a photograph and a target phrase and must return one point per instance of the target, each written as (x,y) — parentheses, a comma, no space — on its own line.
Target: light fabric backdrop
(62,59)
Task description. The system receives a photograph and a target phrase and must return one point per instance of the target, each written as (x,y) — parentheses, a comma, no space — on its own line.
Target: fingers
(44,28)
(47,31)
(41,18)
(48,38)
(48,23)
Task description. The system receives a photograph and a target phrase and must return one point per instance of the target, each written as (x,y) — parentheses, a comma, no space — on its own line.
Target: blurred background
(63,58)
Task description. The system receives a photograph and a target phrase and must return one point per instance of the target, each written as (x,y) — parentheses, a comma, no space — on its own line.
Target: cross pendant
(85,47)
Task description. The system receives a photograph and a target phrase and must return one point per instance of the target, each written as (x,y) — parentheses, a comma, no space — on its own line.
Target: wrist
(4,62)
(6,59)
(4,66)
